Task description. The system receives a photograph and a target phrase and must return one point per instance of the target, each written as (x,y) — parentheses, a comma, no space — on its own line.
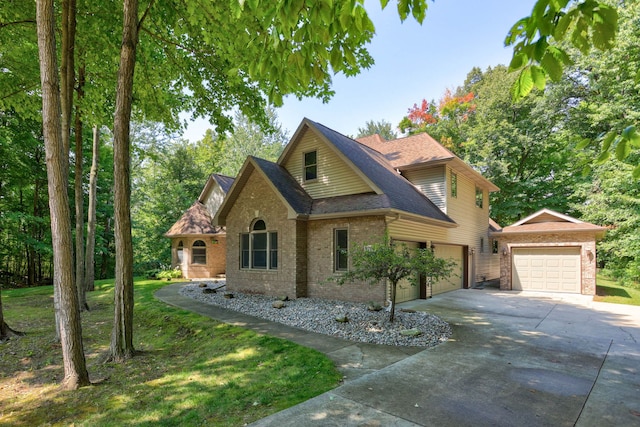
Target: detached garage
(549,252)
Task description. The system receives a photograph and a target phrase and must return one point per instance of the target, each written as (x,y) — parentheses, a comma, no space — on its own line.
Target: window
(482,245)
(454,185)
(180,252)
(494,246)
(479,197)
(341,245)
(199,252)
(310,165)
(259,248)
(273,250)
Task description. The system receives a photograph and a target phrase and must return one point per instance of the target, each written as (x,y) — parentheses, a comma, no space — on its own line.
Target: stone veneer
(586,242)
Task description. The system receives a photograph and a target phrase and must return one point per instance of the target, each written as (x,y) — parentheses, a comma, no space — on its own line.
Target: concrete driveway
(515,359)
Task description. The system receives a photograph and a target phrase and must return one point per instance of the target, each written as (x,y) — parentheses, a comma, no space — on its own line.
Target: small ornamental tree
(391,262)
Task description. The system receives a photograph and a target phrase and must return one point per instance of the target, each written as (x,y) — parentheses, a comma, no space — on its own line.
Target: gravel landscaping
(417,329)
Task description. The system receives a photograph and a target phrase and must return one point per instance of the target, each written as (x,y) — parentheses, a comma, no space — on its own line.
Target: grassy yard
(190,370)
(609,291)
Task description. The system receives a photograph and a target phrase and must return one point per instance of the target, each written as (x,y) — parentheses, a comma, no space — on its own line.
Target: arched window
(199,252)
(180,252)
(259,248)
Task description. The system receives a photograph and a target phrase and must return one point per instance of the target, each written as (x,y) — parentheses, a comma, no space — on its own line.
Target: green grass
(608,290)
(190,370)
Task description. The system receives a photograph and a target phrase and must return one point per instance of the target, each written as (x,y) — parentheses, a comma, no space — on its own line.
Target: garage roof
(548,221)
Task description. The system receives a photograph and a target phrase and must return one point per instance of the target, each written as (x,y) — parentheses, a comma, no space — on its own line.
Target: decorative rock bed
(319,315)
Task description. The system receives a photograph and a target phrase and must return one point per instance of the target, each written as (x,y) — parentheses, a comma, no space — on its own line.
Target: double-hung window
(454,185)
(310,165)
(199,252)
(341,247)
(479,197)
(259,248)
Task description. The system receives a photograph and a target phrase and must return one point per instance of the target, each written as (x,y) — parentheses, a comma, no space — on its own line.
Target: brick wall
(216,256)
(320,253)
(258,201)
(586,242)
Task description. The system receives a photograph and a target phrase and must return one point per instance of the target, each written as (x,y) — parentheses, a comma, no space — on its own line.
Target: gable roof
(223,181)
(289,191)
(399,193)
(390,192)
(369,140)
(421,149)
(548,221)
(195,221)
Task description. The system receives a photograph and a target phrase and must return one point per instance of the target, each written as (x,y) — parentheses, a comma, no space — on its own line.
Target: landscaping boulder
(342,319)
(208,291)
(228,295)
(278,304)
(411,332)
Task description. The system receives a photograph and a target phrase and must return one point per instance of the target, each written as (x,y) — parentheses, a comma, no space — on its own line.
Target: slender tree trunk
(122,333)
(393,301)
(91,215)
(75,371)
(79,199)
(5,330)
(105,254)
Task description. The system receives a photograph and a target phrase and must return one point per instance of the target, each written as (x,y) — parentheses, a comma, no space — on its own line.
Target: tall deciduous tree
(75,371)
(121,347)
(250,139)
(91,213)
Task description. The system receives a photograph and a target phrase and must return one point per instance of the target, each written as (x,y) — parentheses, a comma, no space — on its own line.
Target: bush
(168,274)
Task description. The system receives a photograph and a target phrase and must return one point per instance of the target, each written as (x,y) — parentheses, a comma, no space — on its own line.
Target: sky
(412,62)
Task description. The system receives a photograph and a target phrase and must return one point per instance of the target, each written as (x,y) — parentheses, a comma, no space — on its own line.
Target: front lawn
(608,290)
(190,370)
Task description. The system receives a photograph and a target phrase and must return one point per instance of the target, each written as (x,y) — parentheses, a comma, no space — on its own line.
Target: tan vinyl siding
(473,221)
(401,229)
(473,225)
(432,183)
(335,177)
(214,199)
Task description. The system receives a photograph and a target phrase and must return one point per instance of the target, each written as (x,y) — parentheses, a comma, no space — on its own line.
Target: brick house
(288,222)
(198,247)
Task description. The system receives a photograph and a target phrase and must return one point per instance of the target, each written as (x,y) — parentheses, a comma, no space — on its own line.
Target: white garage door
(405,291)
(546,269)
(456,280)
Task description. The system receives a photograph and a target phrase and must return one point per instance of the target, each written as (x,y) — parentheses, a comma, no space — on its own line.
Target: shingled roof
(195,221)
(415,150)
(548,221)
(397,192)
(286,185)
(412,150)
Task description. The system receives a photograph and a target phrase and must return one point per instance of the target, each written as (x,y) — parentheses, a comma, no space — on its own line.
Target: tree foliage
(443,119)
(382,128)
(390,263)
(538,51)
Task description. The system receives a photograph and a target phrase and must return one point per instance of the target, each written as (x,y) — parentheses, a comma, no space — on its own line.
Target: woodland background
(539,150)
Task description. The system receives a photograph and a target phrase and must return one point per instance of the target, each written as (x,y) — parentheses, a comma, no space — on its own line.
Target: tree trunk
(75,371)
(122,333)
(89,277)
(5,330)
(105,254)
(79,200)
(393,301)
(67,69)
